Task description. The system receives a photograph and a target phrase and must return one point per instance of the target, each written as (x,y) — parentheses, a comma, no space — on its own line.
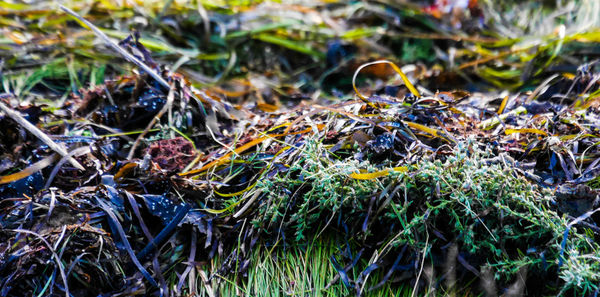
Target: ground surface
(321,148)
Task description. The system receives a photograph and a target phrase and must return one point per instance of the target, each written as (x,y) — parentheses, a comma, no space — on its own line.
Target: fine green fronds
(497,219)
(312,191)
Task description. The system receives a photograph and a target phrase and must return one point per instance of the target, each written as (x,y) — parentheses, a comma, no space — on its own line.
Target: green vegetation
(283,148)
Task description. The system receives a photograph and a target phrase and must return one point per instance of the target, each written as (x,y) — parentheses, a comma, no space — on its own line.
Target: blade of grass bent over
(407,82)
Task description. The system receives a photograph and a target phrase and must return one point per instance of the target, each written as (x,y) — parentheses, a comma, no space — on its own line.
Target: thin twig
(39,134)
(117,48)
(137,62)
(130,57)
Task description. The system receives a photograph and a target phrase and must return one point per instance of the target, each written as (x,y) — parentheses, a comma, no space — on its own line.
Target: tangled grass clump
(472,200)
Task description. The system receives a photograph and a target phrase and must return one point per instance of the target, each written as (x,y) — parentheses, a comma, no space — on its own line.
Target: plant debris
(224,146)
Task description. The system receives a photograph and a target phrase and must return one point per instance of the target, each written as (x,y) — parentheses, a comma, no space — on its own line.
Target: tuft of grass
(294,271)
(497,219)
